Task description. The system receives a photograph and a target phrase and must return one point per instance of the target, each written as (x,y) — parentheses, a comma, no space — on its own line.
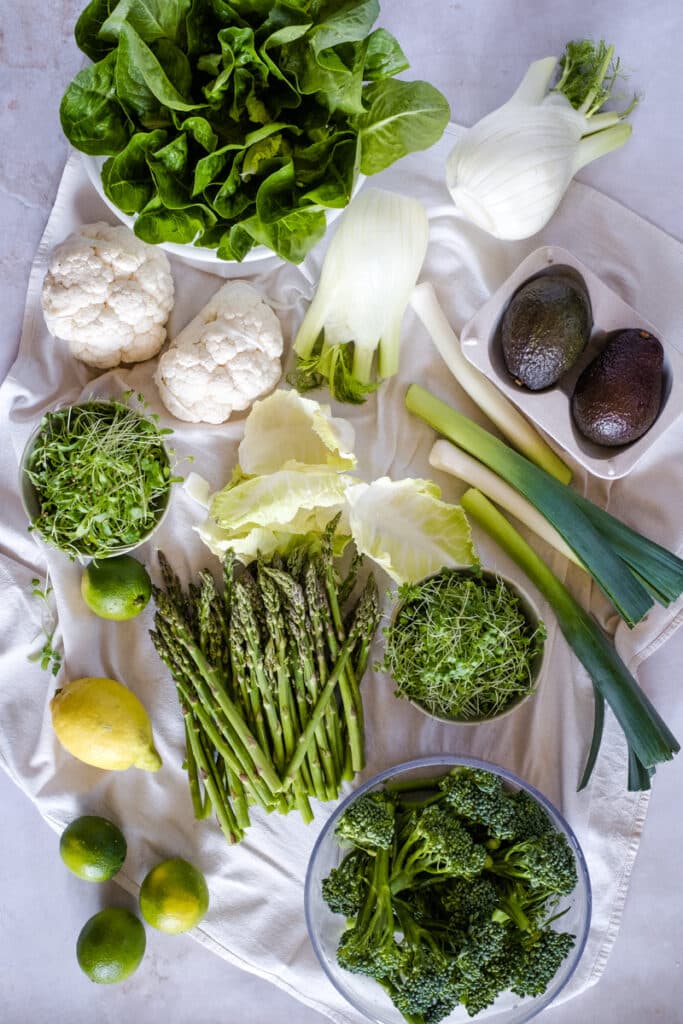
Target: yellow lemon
(101,722)
(174,896)
(111,945)
(93,848)
(116,588)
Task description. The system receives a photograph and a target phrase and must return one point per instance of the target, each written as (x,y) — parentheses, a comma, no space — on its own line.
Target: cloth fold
(256,915)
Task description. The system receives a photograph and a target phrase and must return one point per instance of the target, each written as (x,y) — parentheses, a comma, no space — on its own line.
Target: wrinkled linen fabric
(256,917)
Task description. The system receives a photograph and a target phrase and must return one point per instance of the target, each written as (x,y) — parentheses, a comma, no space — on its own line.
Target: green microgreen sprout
(101,476)
(49,657)
(461,646)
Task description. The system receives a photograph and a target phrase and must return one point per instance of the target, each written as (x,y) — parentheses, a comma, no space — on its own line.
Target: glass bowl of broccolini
(465,645)
(447,888)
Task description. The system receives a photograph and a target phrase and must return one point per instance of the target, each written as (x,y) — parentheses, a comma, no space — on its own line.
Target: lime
(93,848)
(111,945)
(102,723)
(174,896)
(116,588)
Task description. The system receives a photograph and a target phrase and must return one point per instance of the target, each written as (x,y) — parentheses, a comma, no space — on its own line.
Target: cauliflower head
(108,294)
(224,359)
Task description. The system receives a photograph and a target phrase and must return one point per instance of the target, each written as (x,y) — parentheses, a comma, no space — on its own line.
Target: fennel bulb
(510,171)
(368,273)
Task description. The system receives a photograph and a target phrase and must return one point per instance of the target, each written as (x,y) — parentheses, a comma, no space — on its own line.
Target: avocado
(618,396)
(546,327)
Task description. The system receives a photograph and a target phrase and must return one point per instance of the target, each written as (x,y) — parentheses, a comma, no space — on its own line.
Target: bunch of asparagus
(268,674)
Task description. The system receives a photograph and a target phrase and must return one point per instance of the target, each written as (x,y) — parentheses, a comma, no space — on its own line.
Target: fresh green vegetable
(449,891)
(462,647)
(101,476)
(509,172)
(369,271)
(450,459)
(49,656)
(268,676)
(230,125)
(402,525)
(607,548)
(649,739)
(519,432)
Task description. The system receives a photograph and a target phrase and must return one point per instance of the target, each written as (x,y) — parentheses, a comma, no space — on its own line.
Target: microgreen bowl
(533,617)
(325,928)
(31,501)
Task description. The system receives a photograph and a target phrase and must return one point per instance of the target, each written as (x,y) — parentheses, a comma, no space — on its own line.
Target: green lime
(116,588)
(111,945)
(174,896)
(93,848)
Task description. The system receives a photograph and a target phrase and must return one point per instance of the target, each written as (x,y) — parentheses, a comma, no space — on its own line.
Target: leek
(649,739)
(555,500)
(449,459)
(481,390)
(369,271)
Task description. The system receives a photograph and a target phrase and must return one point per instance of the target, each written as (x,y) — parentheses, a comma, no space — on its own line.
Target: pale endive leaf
(285,427)
(404,527)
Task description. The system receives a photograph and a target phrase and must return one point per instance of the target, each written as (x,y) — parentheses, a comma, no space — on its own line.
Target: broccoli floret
(530,818)
(468,901)
(479,797)
(486,966)
(346,886)
(427,971)
(542,955)
(369,821)
(433,842)
(369,947)
(545,863)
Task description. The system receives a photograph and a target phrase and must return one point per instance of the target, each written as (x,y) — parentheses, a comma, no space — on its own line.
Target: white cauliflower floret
(225,358)
(108,294)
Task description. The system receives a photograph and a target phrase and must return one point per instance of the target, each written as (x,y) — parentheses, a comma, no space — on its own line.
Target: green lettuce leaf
(405,527)
(287,428)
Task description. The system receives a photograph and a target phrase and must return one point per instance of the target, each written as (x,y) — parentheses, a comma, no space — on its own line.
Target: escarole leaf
(127,178)
(287,428)
(384,57)
(140,76)
(92,117)
(151,19)
(405,527)
(399,118)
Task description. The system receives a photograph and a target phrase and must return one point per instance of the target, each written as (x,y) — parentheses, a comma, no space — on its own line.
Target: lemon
(101,722)
(116,588)
(111,945)
(174,896)
(93,848)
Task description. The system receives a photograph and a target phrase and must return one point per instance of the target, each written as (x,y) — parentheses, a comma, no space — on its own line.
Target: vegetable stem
(648,737)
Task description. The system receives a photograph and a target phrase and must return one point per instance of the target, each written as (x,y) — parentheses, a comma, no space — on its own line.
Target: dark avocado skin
(545,329)
(618,396)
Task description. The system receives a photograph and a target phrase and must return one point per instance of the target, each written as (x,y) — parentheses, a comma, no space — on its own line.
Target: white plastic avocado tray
(550,409)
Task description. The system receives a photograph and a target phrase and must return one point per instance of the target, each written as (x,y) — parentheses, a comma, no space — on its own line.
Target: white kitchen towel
(256,916)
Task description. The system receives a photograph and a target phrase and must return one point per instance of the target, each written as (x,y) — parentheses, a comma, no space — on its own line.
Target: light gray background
(475,52)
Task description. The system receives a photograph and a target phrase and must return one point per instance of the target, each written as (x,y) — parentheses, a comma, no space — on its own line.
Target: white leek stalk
(449,459)
(369,271)
(481,390)
(510,171)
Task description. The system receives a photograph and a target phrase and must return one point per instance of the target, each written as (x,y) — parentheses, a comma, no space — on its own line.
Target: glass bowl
(532,615)
(31,501)
(325,928)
